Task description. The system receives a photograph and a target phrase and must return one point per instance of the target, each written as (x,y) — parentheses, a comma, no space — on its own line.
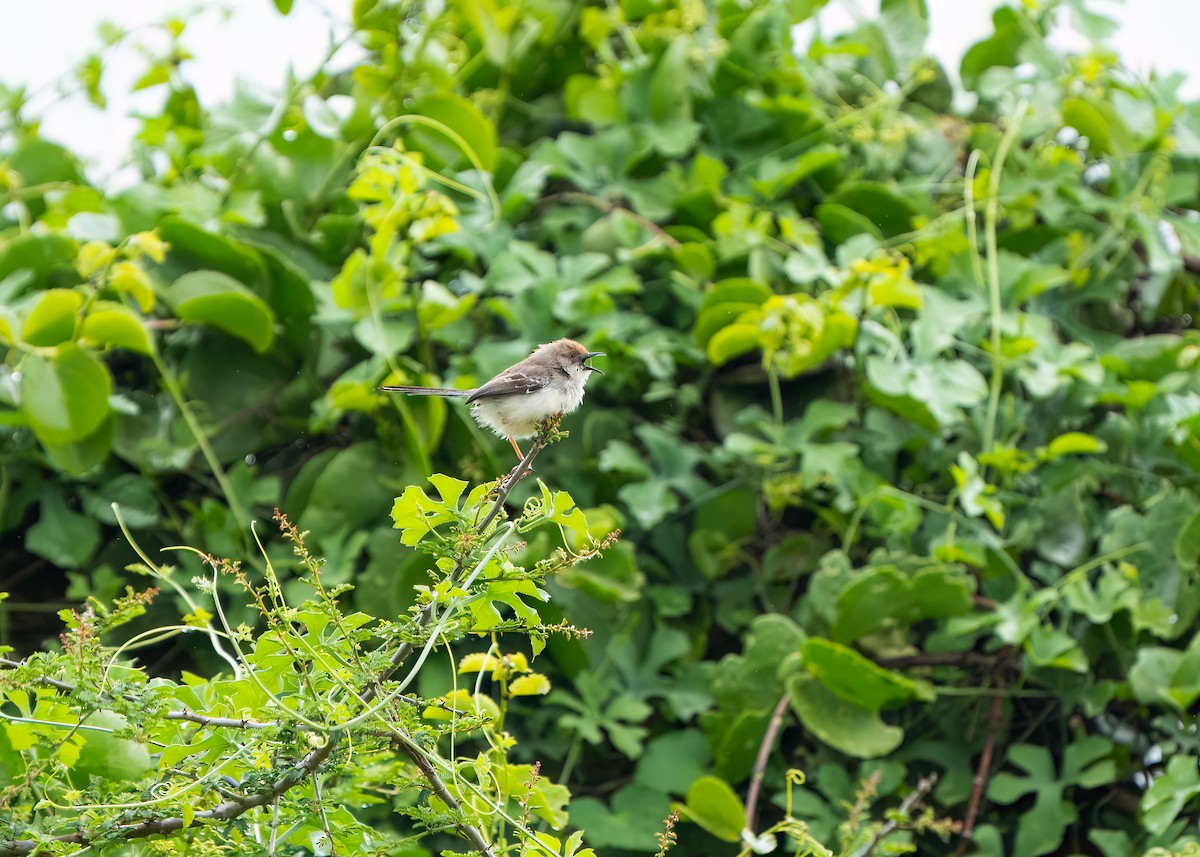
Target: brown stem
(468,831)
(939,659)
(760,762)
(979,781)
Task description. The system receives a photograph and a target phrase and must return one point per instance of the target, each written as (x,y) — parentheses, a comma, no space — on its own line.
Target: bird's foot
(513,472)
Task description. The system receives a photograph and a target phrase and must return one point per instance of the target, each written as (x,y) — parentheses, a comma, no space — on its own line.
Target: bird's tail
(427,391)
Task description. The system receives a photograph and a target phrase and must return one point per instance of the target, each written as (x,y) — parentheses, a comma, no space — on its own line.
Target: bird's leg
(520,458)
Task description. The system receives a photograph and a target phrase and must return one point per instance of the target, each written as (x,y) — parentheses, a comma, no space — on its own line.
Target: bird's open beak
(589,356)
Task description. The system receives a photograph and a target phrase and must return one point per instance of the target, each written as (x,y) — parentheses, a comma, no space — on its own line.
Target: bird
(547,383)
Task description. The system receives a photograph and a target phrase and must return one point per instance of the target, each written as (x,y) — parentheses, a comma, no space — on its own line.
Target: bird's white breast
(518,415)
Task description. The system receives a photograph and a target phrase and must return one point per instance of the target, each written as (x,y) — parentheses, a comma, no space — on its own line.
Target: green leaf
(593,100)
(62,536)
(448,488)
(748,681)
(52,320)
(65,397)
(39,161)
(1170,793)
(416,515)
(842,725)
(856,679)
(840,223)
(724,303)
(546,799)
(715,806)
(1187,544)
(736,746)
(670,93)
(349,489)
(733,341)
(534,684)
(108,757)
(635,815)
(1089,122)
(134,497)
(1072,443)
(156,74)
(213,298)
(208,250)
(82,456)
(42,255)
(1001,49)
(116,325)
(883,597)
(673,761)
(736,290)
(889,213)
(1150,676)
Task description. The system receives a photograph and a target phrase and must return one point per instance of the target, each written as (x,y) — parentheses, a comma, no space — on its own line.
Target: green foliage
(900,421)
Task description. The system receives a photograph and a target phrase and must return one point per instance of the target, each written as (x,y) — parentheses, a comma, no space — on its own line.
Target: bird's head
(568,356)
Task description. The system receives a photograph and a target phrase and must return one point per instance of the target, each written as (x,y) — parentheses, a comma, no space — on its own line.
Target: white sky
(43,40)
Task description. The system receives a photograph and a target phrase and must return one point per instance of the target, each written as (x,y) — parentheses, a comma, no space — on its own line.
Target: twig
(226,722)
(979,781)
(939,659)
(467,831)
(225,811)
(760,762)
(49,682)
(924,786)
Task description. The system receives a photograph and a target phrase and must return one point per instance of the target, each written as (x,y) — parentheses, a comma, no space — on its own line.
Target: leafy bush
(900,424)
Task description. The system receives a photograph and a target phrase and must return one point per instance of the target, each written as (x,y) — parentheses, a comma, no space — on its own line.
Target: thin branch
(979,781)
(225,811)
(468,831)
(49,682)
(939,659)
(226,722)
(764,754)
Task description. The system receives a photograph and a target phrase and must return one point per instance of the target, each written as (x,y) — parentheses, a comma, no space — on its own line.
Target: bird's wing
(509,384)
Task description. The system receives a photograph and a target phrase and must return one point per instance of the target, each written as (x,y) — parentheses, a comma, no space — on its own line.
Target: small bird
(547,383)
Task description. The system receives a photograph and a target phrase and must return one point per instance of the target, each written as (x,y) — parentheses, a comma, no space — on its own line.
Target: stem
(991,215)
(776,399)
(468,831)
(171,383)
(979,781)
(764,754)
